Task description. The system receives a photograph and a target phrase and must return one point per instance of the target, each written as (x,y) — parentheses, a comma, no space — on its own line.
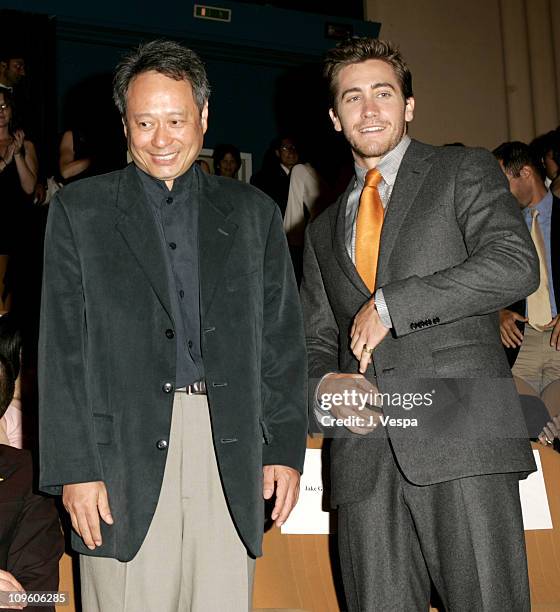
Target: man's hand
(286,480)
(367,331)
(550,431)
(555,326)
(8,584)
(86,502)
(509,332)
(362,416)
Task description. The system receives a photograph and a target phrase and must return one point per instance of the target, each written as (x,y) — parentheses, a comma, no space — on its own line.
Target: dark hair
(9,100)
(10,348)
(356,50)
(220,151)
(547,143)
(166,57)
(515,155)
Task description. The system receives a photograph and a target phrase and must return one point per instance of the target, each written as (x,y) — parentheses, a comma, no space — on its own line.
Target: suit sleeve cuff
(382,309)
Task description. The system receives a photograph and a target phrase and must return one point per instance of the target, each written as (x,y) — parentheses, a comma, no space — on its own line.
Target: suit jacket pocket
(103,428)
(242,282)
(472,359)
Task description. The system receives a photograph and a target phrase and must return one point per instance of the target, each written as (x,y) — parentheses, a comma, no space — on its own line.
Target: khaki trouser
(192,559)
(538,363)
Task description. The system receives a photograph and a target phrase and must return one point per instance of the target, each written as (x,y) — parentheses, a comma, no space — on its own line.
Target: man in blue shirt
(538,345)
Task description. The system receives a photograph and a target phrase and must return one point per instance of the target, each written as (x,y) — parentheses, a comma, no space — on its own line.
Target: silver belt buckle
(197,387)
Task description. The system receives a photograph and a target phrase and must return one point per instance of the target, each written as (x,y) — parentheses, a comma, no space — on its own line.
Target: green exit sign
(202,11)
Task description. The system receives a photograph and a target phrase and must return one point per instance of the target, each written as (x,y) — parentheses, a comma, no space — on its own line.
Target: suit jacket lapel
(339,242)
(412,172)
(139,230)
(215,238)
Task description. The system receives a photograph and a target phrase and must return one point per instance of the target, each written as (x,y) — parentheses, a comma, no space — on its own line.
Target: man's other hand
(367,331)
(550,431)
(509,331)
(361,418)
(286,482)
(86,502)
(554,325)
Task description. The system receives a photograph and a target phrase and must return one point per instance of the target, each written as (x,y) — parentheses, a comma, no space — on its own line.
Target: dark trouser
(465,535)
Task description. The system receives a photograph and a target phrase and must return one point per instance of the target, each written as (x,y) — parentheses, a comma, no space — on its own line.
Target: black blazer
(31,542)
(107,365)
(520,306)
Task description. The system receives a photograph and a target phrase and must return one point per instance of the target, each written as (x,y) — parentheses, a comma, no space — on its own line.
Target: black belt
(198,387)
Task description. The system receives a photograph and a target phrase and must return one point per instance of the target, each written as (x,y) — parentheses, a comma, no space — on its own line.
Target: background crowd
(92,144)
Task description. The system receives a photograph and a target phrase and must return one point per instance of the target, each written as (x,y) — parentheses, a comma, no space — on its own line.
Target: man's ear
(526,172)
(204,117)
(335,120)
(409,109)
(125,127)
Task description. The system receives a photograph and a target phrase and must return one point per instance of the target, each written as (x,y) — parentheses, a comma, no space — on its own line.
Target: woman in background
(227,160)
(18,173)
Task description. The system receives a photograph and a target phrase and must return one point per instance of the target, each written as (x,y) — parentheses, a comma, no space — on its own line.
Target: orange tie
(368,229)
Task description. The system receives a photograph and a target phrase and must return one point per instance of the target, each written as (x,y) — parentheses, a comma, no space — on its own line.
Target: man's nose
(161,137)
(370,107)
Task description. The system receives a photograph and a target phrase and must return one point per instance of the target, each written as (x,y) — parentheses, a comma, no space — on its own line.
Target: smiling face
(370,110)
(163,126)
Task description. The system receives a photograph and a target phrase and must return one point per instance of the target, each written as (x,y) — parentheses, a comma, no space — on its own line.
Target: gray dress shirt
(388,166)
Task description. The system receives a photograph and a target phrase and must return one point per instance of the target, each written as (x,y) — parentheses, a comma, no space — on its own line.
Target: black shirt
(176,215)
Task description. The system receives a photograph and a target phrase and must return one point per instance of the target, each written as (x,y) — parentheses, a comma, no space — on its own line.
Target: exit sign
(202,11)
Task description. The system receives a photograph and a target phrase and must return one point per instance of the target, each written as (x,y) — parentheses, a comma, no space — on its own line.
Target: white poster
(308,516)
(534,501)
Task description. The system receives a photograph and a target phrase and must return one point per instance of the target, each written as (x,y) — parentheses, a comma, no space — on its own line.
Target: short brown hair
(356,50)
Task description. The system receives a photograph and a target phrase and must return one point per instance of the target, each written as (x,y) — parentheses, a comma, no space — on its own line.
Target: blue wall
(263,65)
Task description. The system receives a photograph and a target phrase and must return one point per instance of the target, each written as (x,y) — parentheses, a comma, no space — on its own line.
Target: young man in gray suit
(403,278)
(172,360)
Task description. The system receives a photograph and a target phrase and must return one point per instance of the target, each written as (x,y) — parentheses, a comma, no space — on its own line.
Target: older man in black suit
(413,262)
(171,359)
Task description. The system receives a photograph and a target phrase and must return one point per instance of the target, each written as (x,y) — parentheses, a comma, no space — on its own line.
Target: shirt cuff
(382,309)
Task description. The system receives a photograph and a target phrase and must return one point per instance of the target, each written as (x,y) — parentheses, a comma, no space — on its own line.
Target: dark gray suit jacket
(454,249)
(107,364)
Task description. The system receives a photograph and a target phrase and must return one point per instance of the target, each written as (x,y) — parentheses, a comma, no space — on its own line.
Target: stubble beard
(375,149)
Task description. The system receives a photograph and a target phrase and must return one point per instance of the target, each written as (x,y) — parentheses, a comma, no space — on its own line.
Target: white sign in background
(308,517)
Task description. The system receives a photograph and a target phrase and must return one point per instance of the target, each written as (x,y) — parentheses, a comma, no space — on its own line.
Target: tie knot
(534,213)
(373,178)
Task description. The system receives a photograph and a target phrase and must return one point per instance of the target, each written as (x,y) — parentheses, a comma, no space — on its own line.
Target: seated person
(10,343)
(31,542)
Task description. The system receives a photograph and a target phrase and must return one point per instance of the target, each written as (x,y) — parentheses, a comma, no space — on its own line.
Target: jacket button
(161,444)
(169,333)
(167,387)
